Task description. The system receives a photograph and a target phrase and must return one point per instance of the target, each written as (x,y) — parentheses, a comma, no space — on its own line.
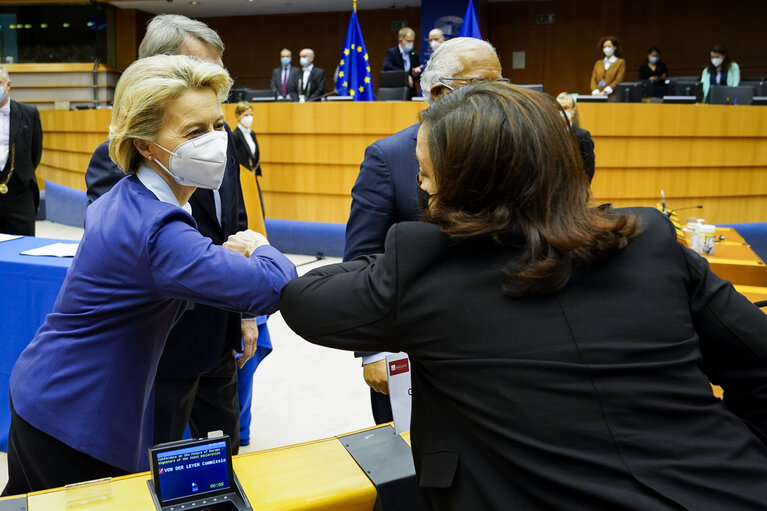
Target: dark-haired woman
(655,71)
(608,72)
(720,70)
(560,355)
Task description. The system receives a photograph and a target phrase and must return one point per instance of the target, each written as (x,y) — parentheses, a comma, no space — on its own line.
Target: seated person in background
(609,71)
(560,354)
(404,57)
(655,71)
(82,390)
(311,79)
(720,70)
(284,82)
(585,144)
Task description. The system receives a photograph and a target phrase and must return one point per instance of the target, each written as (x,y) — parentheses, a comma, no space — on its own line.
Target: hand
(249,341)
(653,78)
(375,376)
(245,242)
(418,69)
(410,81)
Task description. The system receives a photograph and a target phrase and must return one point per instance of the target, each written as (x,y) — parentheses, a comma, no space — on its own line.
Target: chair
(392,79)
(65,205)
(392,94)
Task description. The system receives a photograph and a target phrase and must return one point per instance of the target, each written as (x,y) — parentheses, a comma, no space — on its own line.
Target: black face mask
(422,199)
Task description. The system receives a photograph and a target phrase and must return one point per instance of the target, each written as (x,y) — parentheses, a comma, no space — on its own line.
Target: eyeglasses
(469,81)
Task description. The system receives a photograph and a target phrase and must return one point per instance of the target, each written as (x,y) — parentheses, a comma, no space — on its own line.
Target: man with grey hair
(311,79)
(197,379)
(21,146)
(436,37)
(385,192)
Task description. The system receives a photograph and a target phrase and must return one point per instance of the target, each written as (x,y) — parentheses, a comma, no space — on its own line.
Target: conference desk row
(709,155)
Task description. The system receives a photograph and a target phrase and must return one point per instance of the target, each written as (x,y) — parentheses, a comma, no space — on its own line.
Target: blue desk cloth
(29,286)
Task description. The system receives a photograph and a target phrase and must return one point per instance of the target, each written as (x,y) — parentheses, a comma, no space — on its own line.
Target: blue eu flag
(354,69)
(470,27)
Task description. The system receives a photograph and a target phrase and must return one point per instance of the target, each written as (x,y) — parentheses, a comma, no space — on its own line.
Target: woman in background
(560,355)
(655,71)
(720,70)
(583,137)
(609,71)
(81,392)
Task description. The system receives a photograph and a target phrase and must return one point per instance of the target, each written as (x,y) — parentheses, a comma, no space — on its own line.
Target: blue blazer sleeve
(102,173)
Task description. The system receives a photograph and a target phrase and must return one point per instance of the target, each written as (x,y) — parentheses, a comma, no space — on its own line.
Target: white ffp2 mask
(199,162)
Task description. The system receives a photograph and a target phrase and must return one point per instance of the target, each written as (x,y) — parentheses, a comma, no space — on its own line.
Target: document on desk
(55,250)
(8,237)
(400,392)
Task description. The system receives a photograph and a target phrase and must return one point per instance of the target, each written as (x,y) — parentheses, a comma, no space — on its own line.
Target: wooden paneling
(562,55)
(714,156)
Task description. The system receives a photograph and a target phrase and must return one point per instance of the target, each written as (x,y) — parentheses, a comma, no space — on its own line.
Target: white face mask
(199,162)
(408,47)
(434,45)
(609,50)
(304,61)
(717,61)
(653,60)
(246,120)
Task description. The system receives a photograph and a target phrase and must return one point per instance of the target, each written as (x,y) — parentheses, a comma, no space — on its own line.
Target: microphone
(699,206)
(663,201)
(334,92)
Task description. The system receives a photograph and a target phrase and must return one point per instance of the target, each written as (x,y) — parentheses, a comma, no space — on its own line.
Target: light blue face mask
(285,61)
(408,47)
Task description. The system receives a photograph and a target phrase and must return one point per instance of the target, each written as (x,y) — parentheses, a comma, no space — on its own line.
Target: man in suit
(311,80)
(196,382)
(385,190)
(285,78)
(404,57)
(21,145)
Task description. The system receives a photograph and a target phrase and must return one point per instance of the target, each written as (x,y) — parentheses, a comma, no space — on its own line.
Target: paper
(400,392)
(8,237)
(56,250)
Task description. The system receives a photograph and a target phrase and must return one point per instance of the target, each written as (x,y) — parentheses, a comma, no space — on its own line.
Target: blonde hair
(242,106)
(145,90)
(576,117)
(404,32)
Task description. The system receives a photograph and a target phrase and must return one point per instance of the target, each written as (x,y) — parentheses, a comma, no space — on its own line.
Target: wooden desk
(714,155)
(315,476)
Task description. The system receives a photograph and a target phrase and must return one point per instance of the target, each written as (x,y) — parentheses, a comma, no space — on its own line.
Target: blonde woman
(583,137)
(81,391)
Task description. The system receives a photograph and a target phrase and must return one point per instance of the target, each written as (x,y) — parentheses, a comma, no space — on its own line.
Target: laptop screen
(193,470)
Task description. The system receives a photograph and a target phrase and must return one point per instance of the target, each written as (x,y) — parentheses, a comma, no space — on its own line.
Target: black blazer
(393,61)
(586,147)
(314,87)
(249,160)
(203,334)
(595,397)
(27,133)
(292,85)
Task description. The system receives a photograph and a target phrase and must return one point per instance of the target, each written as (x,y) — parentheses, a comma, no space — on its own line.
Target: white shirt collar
(6,108)
(157,185)
(308,69)
(243,129)
(611,59)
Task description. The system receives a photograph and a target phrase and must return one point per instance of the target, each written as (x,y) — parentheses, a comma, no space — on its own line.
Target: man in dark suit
(285,78)
(404,57)
(385,190)
(311,80)
(21,145)
(196,382)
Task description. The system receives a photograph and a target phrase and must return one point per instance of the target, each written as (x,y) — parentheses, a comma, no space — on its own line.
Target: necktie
(284,90)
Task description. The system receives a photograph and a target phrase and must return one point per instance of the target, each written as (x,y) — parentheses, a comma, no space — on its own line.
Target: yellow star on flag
(346,51)
(362,88)
(342,62)
(352,46)
(346,85)
(351,93)
(341,74)
(367,79)
(368,69)
(359,49)
(366,56)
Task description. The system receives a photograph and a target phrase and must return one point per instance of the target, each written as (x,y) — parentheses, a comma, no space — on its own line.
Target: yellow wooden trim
(57,67)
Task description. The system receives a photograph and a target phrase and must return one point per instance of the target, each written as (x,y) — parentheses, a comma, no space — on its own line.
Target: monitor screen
(191,469)
(721,95)
(630,92)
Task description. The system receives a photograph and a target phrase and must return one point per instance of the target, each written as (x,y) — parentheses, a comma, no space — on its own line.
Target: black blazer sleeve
(317,84)
(393,60)
(102,173)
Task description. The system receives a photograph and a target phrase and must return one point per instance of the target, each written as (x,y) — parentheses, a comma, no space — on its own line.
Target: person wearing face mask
(197,378)
(311,80)
(284,84)
(248,154)
(404,57)
(385,191)
(608,71)
(583,137)
(21,146)
(436,37)
(82,390)
(720,70)
(655,71)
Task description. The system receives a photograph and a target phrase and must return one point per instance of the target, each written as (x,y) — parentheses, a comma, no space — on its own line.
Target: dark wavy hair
(507,166)
(612,39)
(726,63)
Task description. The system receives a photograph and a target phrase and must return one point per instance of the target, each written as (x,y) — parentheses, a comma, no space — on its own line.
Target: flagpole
(355,5)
